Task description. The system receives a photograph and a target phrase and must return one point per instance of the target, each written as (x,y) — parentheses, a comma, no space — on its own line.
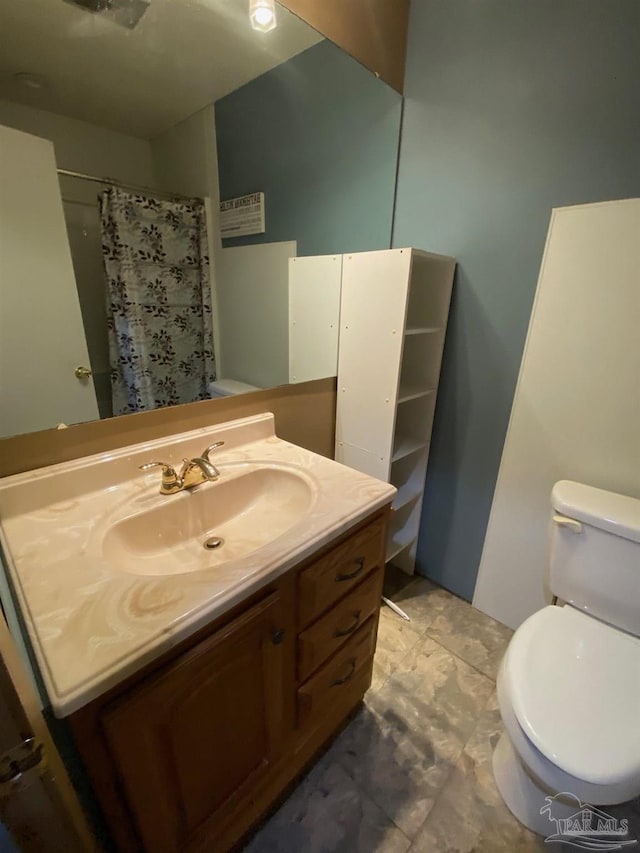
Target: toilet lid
(574,684)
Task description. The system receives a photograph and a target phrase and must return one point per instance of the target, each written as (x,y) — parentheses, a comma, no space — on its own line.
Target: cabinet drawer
(342,678)
(331,631)
(339,571)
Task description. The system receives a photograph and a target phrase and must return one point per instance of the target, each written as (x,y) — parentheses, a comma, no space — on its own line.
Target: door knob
(82,372)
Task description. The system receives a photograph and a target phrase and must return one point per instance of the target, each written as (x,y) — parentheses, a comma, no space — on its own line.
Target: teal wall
(512,107)
(319,136)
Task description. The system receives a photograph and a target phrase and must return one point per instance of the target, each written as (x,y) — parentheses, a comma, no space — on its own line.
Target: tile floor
(412,770)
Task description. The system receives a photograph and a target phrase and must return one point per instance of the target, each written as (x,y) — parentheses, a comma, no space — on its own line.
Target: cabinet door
(193,740)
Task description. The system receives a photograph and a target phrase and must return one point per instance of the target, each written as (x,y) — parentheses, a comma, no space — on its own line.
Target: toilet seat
(574,686)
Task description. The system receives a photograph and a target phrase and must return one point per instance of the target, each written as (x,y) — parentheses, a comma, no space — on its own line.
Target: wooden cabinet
(327,634)
(188,754)
(199,735)
(344,677)
(330,578)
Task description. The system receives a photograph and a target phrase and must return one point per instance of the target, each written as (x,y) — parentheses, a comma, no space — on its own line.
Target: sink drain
(213,542)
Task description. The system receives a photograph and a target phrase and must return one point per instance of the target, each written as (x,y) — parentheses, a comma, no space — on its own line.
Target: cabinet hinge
(21,766)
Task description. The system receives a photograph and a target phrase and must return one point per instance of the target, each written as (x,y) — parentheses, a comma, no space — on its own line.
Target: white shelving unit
(314,316)
(393,318)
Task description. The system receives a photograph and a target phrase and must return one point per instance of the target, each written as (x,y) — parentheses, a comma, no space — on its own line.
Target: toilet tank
(594,561)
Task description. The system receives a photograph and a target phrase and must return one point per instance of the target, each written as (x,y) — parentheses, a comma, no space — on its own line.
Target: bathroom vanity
(189,753)
(199,684)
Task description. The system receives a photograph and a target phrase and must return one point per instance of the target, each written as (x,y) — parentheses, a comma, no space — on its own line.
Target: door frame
(39,807)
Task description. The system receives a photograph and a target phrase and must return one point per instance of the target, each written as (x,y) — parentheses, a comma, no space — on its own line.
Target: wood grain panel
(347,674)
(199,736)
(333,630)
(372,31)
(305,415)
(336,574)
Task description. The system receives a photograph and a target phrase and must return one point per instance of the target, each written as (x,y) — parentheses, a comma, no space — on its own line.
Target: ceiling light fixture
(262,14)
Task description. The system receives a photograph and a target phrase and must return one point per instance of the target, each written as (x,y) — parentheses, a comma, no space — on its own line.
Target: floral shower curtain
(159,315)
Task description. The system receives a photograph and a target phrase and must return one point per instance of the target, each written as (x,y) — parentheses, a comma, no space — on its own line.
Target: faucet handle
(196,471)
(170,480)
(205,454)
(167,470)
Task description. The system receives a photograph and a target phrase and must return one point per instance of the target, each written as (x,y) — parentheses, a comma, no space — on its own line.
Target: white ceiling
(182,55)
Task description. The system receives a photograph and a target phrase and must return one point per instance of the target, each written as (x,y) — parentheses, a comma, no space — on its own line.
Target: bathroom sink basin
(247,508)
(110,573)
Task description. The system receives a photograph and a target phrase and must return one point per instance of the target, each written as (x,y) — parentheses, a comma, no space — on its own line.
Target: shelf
(398,542)
(405,495)
(403,332)
(422,330)
(408,392)
(406,446)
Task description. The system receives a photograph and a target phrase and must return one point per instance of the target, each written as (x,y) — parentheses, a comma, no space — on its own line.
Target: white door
(42,339)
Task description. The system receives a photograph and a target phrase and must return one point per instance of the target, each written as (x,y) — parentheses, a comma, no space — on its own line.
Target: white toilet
(229,387)
(569,683)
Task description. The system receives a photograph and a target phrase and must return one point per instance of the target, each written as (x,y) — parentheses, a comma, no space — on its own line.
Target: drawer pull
(360,566)
(345,678)
(344,632)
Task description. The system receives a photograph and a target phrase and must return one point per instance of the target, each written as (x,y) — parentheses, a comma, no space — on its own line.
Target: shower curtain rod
(113,183)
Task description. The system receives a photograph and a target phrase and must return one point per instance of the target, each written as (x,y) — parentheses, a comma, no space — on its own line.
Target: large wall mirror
(123,125)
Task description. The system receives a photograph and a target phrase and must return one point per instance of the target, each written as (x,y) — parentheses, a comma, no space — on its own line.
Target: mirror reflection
(124,283)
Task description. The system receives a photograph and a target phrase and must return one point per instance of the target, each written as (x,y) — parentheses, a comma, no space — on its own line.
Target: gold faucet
(194,471)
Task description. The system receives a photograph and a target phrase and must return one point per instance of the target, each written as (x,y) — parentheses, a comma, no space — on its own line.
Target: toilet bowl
(229,387)
(569,683)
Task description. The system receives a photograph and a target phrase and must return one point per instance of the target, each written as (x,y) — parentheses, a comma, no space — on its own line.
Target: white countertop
(91,625)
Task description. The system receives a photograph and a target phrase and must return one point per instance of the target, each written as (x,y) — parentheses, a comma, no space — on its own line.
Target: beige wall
(305,415)
(185,156)
(185,161)
(84,147)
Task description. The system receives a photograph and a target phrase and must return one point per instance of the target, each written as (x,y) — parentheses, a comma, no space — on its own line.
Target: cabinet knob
(277,636)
